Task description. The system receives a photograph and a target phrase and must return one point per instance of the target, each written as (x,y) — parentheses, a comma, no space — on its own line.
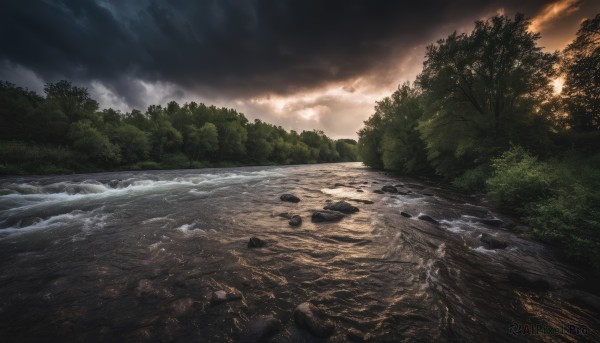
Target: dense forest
(65,132)
(484,114)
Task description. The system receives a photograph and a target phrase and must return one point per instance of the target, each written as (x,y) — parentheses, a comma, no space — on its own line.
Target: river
(136,256)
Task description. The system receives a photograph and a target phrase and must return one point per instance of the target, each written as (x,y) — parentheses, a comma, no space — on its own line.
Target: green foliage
(581,67)
(519,179)
(557,198)
(92,144)
(473,180)
(38,132)
(482,91)
(132,142)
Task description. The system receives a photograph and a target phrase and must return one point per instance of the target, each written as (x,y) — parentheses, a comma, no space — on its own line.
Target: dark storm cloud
(238,48)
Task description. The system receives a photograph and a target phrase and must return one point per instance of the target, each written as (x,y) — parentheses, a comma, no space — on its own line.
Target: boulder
(256,242)
(326,216)
(259,330)
(295,221)
(404,214)
(341,206)
(310,318)
(389,189)
(528,280)
(289,198)
(491,242)
(221,296)
(427,218)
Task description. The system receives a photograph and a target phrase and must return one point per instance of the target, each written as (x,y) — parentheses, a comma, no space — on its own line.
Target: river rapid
(136,256)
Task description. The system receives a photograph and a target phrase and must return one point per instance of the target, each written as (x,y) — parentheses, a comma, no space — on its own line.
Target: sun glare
(558,85)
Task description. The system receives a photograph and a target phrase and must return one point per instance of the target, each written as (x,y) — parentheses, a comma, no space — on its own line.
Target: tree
(581,67)
(481,91)
(133,143)
(74,102)
(202,142)
(369,142)
(95,146)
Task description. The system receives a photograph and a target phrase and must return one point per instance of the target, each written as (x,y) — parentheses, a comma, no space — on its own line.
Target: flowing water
(135,256)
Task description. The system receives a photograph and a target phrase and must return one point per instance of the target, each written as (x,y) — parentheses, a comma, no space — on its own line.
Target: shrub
(519,179)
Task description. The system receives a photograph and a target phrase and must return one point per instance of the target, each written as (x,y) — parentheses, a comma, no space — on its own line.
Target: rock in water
(341,206)
(289,198)
(309,317)
(222,296)
(378,191)
(259,330)
(326,216)
(491,242)
(256,242)
(404,214)
(389,189)
(295,221)
(427,218)
(356,335)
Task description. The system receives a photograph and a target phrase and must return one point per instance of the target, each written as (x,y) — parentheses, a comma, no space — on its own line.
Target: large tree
(581,67)
(483,91)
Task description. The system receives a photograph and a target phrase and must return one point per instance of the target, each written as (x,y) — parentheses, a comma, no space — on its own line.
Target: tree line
(483,114)
(64,131)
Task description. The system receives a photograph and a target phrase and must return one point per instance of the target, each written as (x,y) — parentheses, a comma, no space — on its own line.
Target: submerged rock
(295,221)
(404,214)
(289,198)
(256,242)
(528,280)
(356,335)
(427,218)
(368,202)
(341,206)
(389,189)
(326,216)
(221,296)
(310,318)
(491,242)
(259,330)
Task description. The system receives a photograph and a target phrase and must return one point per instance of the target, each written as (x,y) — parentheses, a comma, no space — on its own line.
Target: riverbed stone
(341,206)
(310,318)
(289,198)
(326,216)
(256,242)
(389,189)
(491,243)
(221,296)
(295,221)
(355,335)
(427,218)
(259,330)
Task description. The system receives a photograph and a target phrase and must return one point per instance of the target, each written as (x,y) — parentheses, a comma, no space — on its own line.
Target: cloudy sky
(302,64)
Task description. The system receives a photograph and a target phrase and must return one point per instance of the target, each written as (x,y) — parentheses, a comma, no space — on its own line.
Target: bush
(519,179)
(473,180)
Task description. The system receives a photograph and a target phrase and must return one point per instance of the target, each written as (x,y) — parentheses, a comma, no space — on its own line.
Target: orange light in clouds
(552,11)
